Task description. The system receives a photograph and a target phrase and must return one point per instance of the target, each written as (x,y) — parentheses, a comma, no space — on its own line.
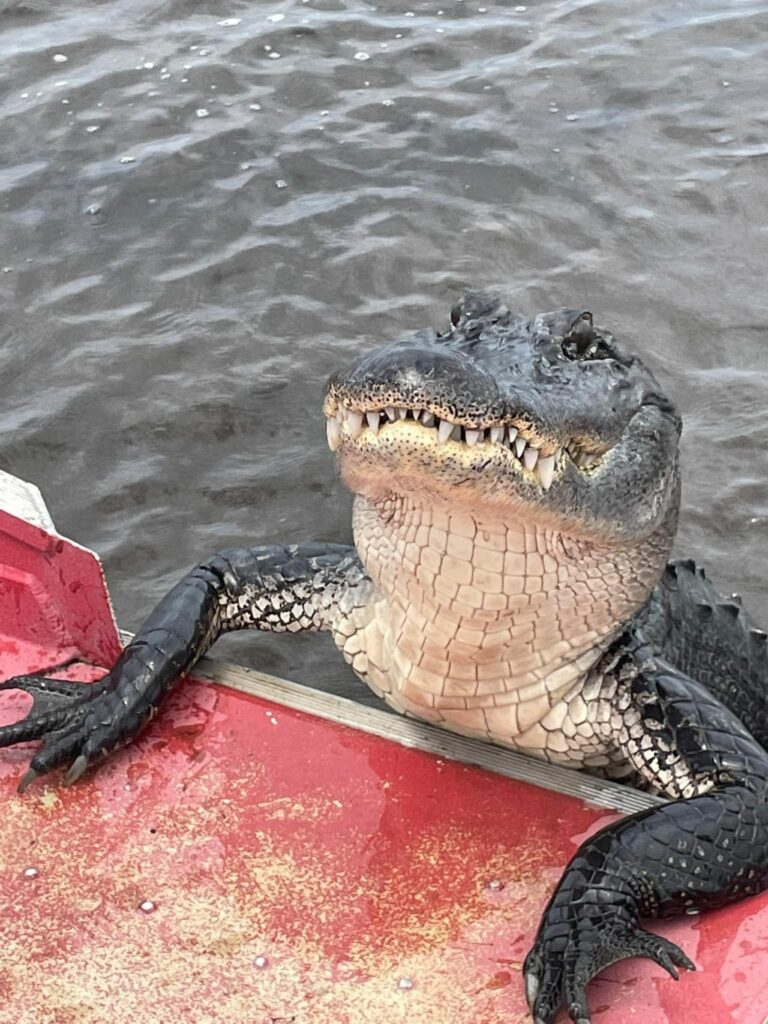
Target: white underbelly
(526,709)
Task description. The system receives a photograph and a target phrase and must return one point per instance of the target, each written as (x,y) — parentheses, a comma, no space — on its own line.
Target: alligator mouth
(538,458)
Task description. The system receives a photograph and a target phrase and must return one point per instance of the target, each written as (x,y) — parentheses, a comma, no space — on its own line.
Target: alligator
(517,490)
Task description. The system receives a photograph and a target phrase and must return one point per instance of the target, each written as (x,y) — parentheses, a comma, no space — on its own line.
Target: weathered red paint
(53,601)
(247,864)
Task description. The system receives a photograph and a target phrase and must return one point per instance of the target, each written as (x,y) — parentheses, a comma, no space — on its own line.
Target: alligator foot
(565,958)
(61,716)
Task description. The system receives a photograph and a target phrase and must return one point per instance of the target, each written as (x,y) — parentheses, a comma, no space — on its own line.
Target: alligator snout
(421,374)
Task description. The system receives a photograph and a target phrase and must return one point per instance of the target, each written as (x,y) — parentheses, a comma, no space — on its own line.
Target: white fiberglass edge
(24,500)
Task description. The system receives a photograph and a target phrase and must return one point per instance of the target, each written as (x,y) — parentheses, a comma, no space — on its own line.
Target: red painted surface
(53,601)
(292,871)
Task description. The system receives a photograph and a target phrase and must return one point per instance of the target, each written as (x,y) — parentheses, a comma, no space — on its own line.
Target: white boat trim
(24,501)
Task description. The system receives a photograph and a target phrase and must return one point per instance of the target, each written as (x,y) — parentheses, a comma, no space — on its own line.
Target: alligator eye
(581,343)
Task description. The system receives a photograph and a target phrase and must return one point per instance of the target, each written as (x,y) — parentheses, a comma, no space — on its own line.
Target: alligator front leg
(707,848)
(278,589)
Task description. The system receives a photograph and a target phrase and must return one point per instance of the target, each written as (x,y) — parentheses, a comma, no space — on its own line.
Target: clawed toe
(53,703)
(27,779)
(663,952)
(59,717)
(531,988)
(47,693)
(557,974)
(78,768)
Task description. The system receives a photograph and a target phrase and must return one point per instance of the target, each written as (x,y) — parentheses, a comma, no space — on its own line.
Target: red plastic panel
(247,864)
(53,601)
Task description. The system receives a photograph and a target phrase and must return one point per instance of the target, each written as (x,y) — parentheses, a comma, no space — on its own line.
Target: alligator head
(546,419)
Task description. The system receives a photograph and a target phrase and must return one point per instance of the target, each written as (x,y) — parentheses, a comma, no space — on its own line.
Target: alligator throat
(484,625)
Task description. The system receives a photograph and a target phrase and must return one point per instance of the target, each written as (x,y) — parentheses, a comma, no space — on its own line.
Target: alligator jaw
(546,419)
(538,460)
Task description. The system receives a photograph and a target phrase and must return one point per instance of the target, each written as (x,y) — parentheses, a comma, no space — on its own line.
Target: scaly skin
(517,491)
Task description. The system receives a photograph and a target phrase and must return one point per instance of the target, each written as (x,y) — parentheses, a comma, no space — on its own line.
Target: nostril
(477,305)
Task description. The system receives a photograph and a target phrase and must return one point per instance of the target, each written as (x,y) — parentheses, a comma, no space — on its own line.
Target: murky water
(207,207)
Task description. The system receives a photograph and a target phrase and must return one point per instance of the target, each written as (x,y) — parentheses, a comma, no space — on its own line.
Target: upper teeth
(355,423)
(444,431)
(508,436)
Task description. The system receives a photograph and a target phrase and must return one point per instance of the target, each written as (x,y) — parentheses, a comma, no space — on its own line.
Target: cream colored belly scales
(487,628)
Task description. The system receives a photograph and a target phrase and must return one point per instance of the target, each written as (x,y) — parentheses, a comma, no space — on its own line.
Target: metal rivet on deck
(495,885)
(405,984)
(261,962)
(31,872)
(147,907)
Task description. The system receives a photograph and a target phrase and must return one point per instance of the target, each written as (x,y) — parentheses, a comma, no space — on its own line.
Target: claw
(531,989)
(663,961)
(78,768)
(663,952)
(679,957)
(29,777)
(576,999)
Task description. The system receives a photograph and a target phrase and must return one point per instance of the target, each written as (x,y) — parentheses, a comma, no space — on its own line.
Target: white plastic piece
(24,500)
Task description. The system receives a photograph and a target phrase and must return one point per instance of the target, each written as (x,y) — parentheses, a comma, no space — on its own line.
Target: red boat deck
(246,862)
